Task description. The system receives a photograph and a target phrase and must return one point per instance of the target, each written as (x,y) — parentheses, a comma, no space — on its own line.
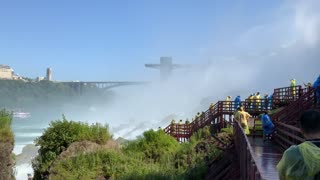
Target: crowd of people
(256,103)
(299,161)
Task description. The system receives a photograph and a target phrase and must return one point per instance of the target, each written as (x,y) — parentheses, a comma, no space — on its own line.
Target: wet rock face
(6,162)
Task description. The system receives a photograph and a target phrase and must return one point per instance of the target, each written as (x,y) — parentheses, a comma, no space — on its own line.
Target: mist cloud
(270,55)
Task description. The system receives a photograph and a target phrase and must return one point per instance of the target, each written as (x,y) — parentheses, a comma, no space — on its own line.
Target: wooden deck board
(267,156)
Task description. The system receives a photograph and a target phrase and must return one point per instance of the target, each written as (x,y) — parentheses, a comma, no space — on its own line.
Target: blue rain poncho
(267,125)
(300,162)
(237,102)
(316,85)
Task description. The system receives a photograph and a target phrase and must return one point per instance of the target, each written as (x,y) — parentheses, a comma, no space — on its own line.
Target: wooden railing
(287,135)
(257,106)
(219,116)
(286,120)
(284,96)
(292,112)
(248,167)
(215,116)
(179,131)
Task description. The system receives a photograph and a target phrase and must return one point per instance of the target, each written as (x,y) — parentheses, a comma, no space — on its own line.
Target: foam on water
(22,171)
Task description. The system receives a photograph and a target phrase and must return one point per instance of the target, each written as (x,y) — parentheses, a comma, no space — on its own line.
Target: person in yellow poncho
(303,161)
(257,101)
(228,99)
(242,116)
(293,85)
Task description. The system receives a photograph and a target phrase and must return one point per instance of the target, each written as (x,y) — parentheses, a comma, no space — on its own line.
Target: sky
(112,40)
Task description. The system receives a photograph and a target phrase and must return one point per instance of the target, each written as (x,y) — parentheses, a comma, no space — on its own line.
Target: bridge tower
(166,66)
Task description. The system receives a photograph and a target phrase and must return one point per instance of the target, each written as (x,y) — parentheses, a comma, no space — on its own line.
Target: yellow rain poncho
(293,84)
(228,99)
(300,162)
(243,117)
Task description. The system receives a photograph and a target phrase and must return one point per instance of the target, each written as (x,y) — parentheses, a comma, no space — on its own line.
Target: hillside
(20,94)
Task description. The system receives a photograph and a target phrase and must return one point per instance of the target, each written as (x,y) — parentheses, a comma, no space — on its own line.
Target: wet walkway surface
(267,156)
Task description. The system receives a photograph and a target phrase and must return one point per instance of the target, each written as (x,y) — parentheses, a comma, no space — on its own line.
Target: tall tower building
(165,67)
(49,74)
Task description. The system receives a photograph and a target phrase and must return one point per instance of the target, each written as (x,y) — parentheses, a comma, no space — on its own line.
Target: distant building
(49,74)
(6,72)
(38,79)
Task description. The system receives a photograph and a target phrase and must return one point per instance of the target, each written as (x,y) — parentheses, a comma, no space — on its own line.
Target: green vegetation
(6,145)
(6,134)
(25,94)
(57,138)
(154,155)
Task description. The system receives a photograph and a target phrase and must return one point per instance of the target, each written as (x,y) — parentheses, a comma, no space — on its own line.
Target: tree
(57,138)
(154,145)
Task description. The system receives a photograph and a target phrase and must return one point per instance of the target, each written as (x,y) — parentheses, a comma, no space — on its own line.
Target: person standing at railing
(180,126)
(308,85)
(303,161)
(316,86)
(237,102)
(293,86)
(187,121)
(197,116)
(211,106)
(228,102)
(250,98)
(242,116)
(267,126)
(172,127)
(257,101)
(197,120)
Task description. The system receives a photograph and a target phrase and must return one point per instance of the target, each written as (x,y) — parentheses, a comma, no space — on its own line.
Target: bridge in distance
(80,86)
(166,67)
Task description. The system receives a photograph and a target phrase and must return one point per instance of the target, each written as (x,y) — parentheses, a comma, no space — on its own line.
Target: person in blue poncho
(237,102)
(316,85)
(267,125)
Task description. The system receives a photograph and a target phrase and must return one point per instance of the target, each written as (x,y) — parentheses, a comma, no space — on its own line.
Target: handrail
(286,95)
(183,132)
(292,112)
(287,135)
(248,166)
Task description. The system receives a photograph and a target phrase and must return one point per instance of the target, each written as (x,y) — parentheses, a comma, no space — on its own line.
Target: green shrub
(6,134)
(153,145)
(228,130)
(107,164)
(57,138)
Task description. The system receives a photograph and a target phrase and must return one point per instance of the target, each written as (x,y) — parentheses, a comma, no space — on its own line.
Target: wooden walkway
(267,156)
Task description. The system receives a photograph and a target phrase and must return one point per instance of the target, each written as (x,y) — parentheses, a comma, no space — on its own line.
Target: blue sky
(112,40)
